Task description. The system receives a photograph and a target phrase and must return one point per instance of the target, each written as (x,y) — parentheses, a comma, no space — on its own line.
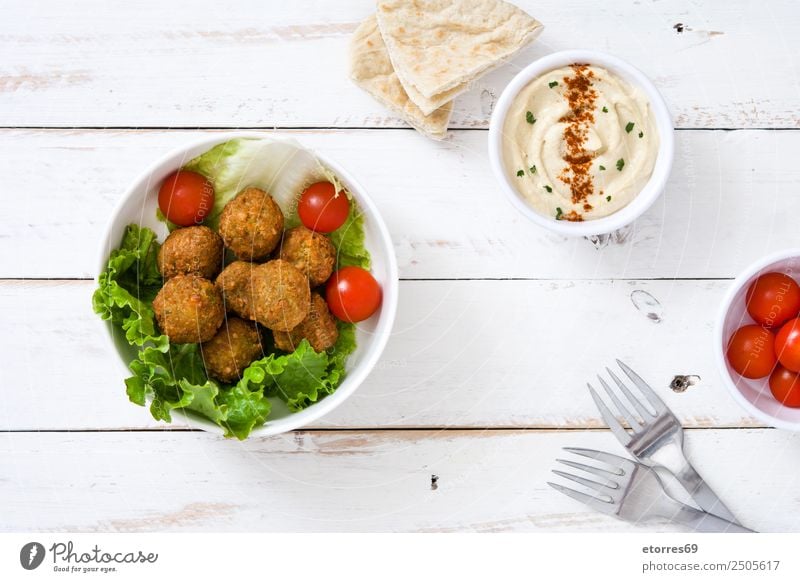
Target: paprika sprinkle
(581,97)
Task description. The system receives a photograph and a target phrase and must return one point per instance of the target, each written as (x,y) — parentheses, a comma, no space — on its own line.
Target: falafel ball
(319,328)
(311,252)
(281,295)
(189,309)
(194,250)
(251,224)
(234,347)
(236,286)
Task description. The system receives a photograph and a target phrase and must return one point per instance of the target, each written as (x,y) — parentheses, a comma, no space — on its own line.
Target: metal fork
(657,441)
(633,492)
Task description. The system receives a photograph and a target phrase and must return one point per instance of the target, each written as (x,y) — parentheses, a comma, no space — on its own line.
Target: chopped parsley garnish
(520,172)
(529,117)
(620,164)
(641,134)
(608,198)
(605,109)
(548,188)
(629,127)
(559,213)
(552,84)
(602,168)
(533,169)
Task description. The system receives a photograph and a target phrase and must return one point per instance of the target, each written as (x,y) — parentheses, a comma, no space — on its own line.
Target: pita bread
(429,105)
(371,69)
(438,47)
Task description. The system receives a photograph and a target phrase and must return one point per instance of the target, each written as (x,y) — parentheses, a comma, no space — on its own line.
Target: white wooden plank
(726,204)
(200,63)
(462,354)
(353,481)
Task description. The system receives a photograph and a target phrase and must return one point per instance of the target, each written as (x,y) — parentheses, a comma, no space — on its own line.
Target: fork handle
(702,494)
(700,521)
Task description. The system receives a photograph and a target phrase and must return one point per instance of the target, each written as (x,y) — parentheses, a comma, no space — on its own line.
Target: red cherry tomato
(773,299)
(751,351)
(353,294)
(321,208)
(785,387)
(186,198)
(787,345)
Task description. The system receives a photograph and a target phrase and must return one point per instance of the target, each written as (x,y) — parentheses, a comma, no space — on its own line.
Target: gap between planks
(305,128)
(372,429)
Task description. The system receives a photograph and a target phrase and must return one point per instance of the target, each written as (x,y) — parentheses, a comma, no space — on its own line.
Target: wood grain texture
(462,354)
(488,481)
(724,207)
(198,63)
(503,359)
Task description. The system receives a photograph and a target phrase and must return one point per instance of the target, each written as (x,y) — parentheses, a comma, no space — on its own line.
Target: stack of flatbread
(415,56)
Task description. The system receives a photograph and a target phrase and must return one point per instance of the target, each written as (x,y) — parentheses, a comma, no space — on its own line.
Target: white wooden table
(500,324)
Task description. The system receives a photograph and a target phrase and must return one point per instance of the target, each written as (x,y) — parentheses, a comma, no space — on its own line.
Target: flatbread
(438,47)
(371,69)
(430,104)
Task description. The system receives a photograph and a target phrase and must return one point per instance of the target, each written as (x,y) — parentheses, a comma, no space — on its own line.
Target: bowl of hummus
(581,142)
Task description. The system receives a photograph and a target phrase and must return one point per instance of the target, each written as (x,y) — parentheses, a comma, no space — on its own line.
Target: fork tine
(644,387)
(593,502)
(588,483)
(619,463)
(623,410)
(637,404)
(611,420)
(602,474)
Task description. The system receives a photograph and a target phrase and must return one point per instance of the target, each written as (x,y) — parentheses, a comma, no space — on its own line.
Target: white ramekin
(666,150)
(753,395)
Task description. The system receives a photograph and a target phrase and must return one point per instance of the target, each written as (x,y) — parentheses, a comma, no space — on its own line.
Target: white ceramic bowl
(666,151)
(138,205)
(753,395)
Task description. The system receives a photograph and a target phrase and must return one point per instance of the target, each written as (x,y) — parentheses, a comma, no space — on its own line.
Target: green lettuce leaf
(303,376)
(173,377)
(349,241)
(296,378)
(177,380)
(128,285)
(244,410)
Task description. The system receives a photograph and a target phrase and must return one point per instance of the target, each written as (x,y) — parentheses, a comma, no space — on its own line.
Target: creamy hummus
(579,143)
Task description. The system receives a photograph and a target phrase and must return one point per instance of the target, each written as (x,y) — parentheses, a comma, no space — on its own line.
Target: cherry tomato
(186,198)
(785,387)
(751,351)
(321,208)
(773,299)
(787,345)
(353,294)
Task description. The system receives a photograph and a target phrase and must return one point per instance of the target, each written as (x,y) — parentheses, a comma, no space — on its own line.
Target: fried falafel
(189,309)
(281,295)
(251,225)
(234,347)
(236,285)
(311,252)
(319,328)
(195,250)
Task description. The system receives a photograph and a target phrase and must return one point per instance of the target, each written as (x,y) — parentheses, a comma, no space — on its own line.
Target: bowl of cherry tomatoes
(757,340)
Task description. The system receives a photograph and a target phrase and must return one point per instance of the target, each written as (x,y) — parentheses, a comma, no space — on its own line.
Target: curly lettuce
(173,377)
(349,241)
(128,285)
